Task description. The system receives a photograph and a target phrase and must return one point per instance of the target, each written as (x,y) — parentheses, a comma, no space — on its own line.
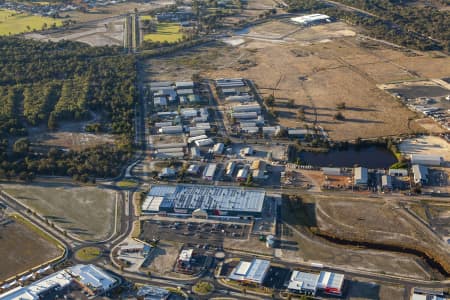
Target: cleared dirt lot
(87,212)
(316,67)
(360,288)
(101,33)
(70,135)
(21,248)
(117,9)
(301,245)
(162,259)
(436,215)
(384,222)
(319,67)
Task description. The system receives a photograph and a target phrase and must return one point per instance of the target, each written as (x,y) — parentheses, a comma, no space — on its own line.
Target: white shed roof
(254,271)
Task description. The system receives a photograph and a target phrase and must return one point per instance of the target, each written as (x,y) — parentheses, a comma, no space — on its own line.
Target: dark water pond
(365,156)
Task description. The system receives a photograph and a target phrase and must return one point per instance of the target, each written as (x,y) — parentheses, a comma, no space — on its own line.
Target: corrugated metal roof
(212,197)
(245,115)
(330,280)
(303,281)
(254,271)
(210,170)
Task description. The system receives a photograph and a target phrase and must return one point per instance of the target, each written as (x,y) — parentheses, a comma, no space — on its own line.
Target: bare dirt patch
(318,81)
(96,33)
(117,9)
(21,249)
(379,222)
(70,135)
(87,212)
(316,67)
(162,259)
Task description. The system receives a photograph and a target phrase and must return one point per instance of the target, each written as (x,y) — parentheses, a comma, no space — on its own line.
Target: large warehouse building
(427,160)
(253,272)
(214,200)
(311,19)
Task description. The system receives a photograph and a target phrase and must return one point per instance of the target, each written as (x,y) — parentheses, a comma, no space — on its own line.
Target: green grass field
(88,253)
(12,22)
(127,184)
(169,32)
(145,18)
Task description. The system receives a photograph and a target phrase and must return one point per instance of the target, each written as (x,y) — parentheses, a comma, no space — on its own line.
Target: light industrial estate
(229,149)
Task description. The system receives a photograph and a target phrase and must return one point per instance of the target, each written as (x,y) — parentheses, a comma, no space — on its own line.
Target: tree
(301,114)
(269,100)
(196,77)
(21,146)
(51,124)
(249,180)
(340,105)
(290,103)
(339,116)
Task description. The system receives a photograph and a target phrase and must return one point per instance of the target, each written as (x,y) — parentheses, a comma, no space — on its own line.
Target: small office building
(303,283)
(331,283)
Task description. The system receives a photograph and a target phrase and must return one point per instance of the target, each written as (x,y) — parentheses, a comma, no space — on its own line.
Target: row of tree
(424,28)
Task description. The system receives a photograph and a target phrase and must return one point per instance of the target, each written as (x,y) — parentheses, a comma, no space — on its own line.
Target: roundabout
(87,254)
(203,288)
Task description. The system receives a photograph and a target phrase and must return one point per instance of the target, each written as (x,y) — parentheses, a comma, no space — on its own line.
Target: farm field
(316,67)
(169,32)
(21,248)
(87,212)
(12,22)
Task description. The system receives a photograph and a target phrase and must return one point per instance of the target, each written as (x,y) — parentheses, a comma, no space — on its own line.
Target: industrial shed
(253,272)
(361,176)
(420,174)
(303,283)
(427,160)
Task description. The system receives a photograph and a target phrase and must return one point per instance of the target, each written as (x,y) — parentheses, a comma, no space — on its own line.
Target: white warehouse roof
(93,277)
(254,271)
(429,160)
(332,282)
(310,18)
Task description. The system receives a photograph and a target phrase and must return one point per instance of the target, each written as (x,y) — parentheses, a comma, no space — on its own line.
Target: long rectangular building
(213,199)
(427,160)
